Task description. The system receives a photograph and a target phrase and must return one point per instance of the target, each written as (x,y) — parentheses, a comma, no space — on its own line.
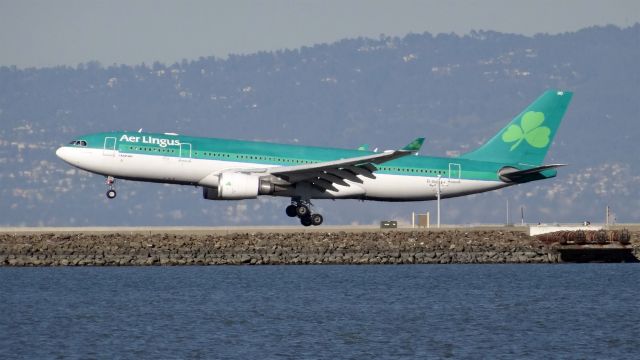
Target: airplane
(233,169)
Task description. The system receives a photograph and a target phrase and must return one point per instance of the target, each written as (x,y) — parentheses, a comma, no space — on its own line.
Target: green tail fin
(526,139)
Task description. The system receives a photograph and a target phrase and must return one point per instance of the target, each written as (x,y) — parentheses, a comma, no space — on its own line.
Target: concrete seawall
(368,247)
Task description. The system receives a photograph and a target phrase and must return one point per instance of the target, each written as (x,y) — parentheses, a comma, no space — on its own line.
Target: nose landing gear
(302,209)
(111,183)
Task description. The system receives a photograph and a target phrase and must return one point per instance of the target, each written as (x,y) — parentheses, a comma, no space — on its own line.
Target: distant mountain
(455,90)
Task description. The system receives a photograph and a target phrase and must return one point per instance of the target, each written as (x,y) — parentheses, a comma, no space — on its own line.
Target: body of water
(343,312)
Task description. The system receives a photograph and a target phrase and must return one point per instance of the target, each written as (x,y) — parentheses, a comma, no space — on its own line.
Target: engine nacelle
(237,186)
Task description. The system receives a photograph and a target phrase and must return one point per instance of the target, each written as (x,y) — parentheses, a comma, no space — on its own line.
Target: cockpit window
(78,143)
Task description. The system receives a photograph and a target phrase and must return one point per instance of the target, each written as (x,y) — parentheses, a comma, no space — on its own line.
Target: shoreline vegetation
(279,248)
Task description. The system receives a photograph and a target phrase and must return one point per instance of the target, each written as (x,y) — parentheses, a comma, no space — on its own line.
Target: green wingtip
(415,145)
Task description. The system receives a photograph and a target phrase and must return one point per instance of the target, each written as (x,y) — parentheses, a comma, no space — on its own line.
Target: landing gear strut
(302,209)
(111,183)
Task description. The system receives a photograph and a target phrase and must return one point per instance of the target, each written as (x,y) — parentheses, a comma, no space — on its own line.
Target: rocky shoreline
(383,247)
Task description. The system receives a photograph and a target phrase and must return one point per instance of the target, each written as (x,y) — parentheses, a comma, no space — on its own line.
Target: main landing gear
(111,183)
(301,209)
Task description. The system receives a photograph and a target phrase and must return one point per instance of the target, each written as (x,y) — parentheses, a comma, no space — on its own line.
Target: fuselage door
(109,146)
(185,152)
(455,172)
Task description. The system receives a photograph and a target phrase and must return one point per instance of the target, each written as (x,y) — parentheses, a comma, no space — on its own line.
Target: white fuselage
(171,169)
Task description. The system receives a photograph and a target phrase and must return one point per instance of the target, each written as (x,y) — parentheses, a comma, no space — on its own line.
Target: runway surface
(217,230)
(221,230)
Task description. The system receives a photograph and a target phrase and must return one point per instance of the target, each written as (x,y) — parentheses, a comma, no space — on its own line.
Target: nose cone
(72,156)
(64,153)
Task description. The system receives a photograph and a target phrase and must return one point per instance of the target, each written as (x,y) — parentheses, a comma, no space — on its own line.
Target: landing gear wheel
(306,221)
(111,183)
(291,211)
(316,219)
(302,211)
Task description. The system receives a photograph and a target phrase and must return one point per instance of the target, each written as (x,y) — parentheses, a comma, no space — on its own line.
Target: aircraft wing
(324,174)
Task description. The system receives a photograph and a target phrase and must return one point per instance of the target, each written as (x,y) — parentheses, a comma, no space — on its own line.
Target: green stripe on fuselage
(284,155)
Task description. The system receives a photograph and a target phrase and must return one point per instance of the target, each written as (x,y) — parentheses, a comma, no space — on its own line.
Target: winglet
(415,145)
(363,147)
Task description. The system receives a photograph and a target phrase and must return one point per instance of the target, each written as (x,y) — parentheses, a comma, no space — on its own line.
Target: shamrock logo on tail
(529,130)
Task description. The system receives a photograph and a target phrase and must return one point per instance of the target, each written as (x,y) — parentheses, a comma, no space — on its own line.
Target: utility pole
(522,215)
(507,212)
(438,194)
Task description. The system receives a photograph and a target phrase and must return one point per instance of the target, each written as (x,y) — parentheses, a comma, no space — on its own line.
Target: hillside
(457,91)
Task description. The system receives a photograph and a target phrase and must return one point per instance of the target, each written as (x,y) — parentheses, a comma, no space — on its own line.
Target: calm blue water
(292,312)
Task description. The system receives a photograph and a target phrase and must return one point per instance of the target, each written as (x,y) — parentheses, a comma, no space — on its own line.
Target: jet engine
(237,186)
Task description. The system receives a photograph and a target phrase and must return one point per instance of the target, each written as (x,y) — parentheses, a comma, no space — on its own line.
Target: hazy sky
(46,32)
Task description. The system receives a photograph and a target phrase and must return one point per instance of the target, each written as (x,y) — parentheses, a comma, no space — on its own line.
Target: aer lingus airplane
(233,169)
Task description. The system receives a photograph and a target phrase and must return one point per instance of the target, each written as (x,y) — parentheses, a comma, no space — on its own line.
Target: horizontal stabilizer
(510,174)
